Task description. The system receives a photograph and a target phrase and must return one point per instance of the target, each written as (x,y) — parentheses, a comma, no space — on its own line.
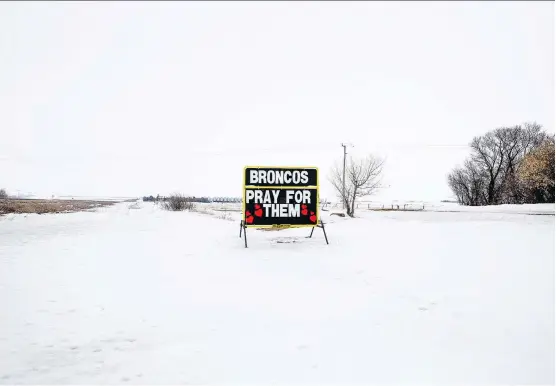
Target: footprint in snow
(430,305)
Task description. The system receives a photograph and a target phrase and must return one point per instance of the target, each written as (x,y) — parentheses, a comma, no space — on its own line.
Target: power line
(284,149)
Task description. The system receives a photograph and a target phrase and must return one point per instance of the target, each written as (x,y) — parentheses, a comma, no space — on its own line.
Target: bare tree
(363,177)
(488,155)
(532,136)
(490,176)
(468,184)
(3,193)
(518,142)
(500,153)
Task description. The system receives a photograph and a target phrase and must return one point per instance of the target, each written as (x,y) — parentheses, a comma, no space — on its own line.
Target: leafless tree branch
(363,177)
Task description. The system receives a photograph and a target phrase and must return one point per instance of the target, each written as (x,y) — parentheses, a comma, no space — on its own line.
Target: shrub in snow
(177,202)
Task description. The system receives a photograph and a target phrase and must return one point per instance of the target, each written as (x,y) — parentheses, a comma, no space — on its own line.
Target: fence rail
(380,206)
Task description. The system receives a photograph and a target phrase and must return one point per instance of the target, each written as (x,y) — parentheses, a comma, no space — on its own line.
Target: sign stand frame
(321,225)
(243,231)
(307,180)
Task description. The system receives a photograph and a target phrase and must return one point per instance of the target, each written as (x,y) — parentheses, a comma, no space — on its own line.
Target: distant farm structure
(226,199)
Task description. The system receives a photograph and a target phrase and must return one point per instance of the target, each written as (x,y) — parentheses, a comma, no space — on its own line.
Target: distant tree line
(193,199)
(508,165)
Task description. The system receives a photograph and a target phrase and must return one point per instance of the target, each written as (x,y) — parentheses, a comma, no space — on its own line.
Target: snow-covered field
(133,296)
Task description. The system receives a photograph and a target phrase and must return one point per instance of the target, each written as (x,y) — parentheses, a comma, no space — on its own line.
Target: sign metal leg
(321,225)
(243,229)
(245,234)
(324,231)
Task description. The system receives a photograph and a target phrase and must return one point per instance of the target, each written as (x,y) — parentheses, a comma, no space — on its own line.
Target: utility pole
(344,179)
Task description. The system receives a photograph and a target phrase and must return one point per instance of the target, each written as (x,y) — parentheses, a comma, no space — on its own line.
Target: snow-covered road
(146,296)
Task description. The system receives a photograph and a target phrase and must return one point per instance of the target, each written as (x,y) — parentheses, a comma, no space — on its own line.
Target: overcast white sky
(127,99)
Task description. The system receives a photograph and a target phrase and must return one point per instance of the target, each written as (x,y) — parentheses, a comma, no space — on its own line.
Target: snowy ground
(144,296)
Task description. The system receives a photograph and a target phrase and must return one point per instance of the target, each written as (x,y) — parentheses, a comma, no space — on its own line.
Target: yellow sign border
(279,226)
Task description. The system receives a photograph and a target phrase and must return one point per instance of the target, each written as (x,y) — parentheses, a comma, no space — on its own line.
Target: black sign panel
(280,197)
(274,176)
